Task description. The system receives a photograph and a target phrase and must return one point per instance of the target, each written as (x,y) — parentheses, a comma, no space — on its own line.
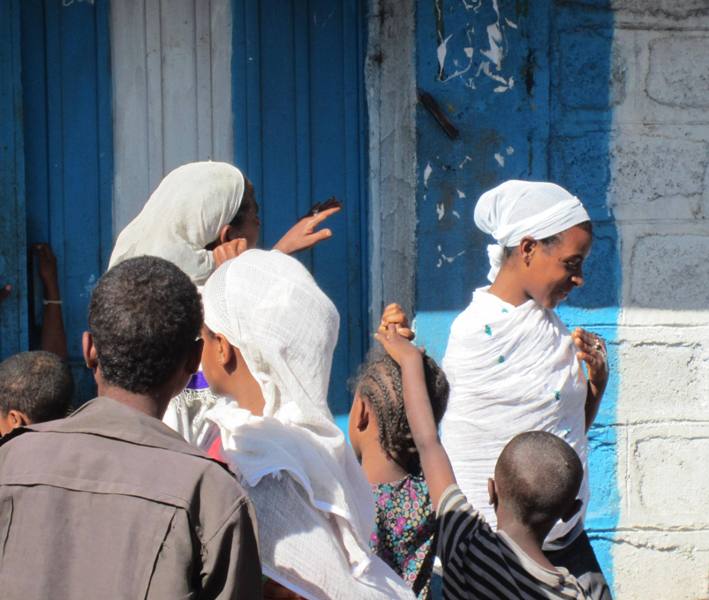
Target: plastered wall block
(673,371)
(679,71)
(666,476)
(650,167)
(671,566)
(670,271)
(584,70)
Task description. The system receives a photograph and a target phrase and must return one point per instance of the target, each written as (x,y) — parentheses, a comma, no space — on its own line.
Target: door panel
(13,310)
(300,137)
(68,157)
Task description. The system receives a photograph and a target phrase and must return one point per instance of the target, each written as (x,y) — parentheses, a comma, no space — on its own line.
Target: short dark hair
(248,204)
(145,315)
(538,475)
(38,384)
(379,381)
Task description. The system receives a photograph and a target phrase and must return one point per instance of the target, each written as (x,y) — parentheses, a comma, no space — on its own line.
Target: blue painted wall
(66,81)
(13,254)
(526,85)
(300,136)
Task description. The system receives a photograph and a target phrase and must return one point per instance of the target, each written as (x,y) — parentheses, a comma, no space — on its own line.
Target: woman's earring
(527,259)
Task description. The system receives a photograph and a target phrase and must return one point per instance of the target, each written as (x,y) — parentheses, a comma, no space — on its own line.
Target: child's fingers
(406,332)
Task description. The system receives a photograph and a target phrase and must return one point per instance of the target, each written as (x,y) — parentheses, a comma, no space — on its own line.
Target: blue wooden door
(13,310)
(300,136)
(66,81)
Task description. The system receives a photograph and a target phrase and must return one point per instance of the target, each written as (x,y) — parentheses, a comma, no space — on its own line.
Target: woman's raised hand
(394,315)
(303,234)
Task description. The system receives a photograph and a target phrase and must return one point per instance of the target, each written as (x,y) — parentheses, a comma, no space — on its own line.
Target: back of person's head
(145,315)
(538,476)
(37,384)
(379,383)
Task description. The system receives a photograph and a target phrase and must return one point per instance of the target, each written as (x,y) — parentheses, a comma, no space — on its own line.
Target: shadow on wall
(527,85)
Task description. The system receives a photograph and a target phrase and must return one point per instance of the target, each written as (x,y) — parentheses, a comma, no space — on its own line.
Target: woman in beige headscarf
(200,215)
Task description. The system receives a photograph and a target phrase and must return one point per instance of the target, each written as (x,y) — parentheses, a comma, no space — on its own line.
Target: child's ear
(89,350)
(492,492)
(361,413)
(227,356)
(572,510)
(226,234)
(17,418)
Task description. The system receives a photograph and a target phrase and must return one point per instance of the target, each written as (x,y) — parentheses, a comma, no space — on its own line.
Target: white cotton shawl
(517,209)
(182,216)
(511,369)
(315,509)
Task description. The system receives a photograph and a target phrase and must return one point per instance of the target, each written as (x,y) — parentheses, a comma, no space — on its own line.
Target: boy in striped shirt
(537,479)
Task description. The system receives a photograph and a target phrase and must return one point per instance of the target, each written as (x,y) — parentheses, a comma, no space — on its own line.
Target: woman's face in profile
(557,268)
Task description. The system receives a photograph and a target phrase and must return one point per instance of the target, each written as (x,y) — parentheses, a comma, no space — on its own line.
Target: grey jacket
(111,503)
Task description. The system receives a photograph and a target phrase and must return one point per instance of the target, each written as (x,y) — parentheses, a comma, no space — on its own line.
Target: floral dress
(404,531)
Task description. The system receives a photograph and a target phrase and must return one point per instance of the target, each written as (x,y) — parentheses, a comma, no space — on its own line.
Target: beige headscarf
(182,216)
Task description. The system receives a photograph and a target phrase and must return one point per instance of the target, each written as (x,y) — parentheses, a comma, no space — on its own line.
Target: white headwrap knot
(517,209)
(183,215)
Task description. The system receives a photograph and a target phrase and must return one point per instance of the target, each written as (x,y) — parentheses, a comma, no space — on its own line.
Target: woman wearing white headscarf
(200,215)
(512,364)
(269,337)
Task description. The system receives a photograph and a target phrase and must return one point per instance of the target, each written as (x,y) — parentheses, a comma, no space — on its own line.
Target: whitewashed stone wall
(660,197)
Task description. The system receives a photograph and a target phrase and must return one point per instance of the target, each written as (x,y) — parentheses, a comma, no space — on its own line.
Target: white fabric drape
(182,216)
(511,370)
(314,506)
(516,209)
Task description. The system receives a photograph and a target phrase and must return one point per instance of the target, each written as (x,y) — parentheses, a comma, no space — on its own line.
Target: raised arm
(53,334)
(434,460)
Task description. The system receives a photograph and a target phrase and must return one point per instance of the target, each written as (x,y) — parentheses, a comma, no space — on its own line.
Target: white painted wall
(390,73)
(660,196)
(171,64)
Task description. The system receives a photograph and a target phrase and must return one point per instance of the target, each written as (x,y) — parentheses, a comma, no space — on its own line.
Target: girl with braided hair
(381,438)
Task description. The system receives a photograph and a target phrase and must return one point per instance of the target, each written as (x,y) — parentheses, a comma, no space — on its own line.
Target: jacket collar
(108,418)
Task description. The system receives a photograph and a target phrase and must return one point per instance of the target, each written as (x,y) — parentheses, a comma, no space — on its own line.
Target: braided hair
(379,381)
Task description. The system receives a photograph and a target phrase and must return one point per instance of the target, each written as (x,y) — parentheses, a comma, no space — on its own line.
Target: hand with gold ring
(591,349)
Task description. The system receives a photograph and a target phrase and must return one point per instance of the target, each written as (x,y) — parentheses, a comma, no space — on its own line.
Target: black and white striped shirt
(481,563)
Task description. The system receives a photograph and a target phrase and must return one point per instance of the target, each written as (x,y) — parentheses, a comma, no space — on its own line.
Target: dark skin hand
(5,291)
(301,236)
(591,349)
(394,315)
(53,334)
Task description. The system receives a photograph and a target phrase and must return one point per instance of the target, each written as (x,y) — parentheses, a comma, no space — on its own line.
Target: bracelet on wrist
(46,302)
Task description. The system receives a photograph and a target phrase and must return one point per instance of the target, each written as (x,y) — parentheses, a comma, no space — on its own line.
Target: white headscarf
(316,513)
(516,209)
(182,216)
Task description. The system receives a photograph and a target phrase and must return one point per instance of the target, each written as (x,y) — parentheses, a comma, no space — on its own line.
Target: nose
(577,279)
